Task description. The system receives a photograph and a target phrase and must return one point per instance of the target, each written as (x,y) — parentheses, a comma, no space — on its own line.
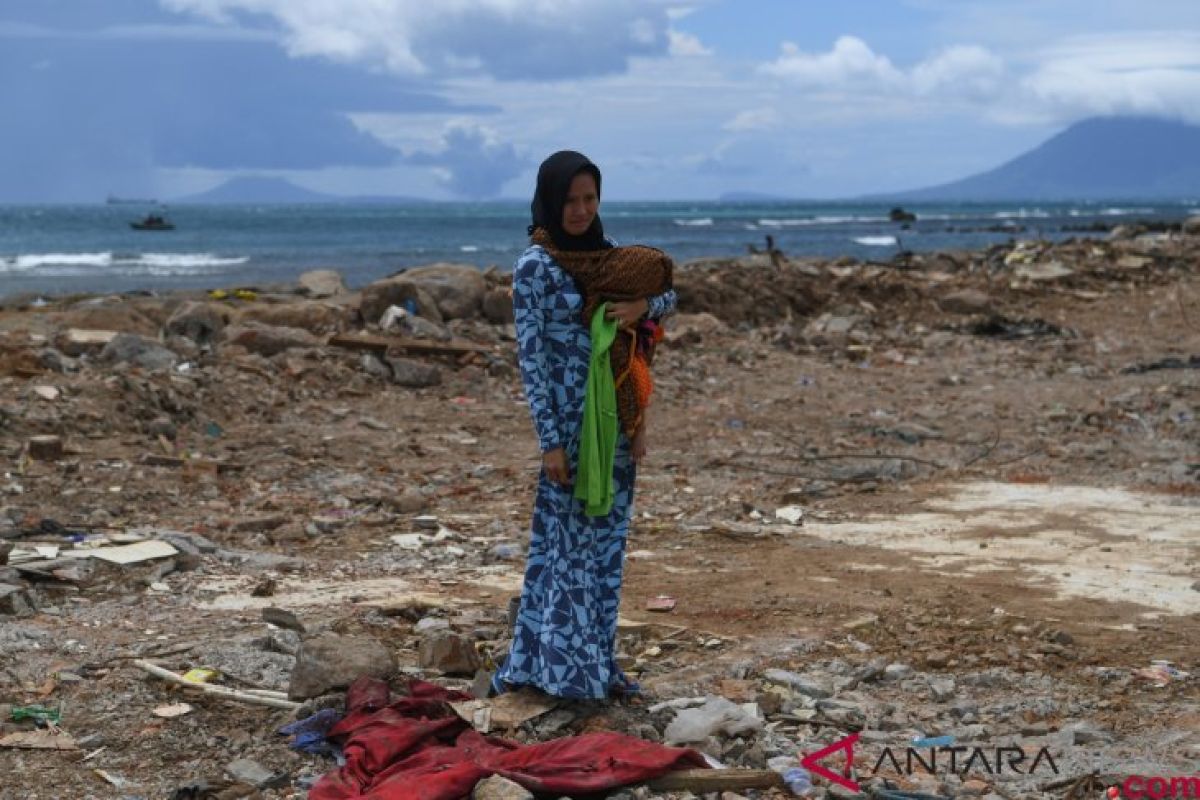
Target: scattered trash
(661,603)
(1161,672)
(39,714)
(200,675)
(42,739)
(793,515)
(172,711)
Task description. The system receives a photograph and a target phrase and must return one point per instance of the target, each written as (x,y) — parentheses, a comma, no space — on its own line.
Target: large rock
(414,374)
(320,283)
(311,317)
(399,291)
(200,322)
(267,340)
(458,289)
(967,301)
(499,788)
(330,661)
(449,653)
(15,601)
(129,348)
(111,317)
(498,306)
(1192,225)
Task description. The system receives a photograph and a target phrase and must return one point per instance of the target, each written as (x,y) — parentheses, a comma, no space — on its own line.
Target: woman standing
(565,632)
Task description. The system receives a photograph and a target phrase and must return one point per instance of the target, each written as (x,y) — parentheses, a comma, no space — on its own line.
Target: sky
(462,99)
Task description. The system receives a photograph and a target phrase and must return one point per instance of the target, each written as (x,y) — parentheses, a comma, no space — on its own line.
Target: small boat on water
(153,222)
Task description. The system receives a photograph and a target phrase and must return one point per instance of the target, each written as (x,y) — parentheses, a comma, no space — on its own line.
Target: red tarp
(417,749)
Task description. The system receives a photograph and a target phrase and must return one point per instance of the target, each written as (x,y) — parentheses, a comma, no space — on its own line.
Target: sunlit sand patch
(1107,544)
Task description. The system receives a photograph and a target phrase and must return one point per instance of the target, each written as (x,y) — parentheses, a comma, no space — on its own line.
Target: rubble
(948,499)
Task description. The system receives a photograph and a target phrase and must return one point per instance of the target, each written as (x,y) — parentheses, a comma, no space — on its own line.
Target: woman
(566,626)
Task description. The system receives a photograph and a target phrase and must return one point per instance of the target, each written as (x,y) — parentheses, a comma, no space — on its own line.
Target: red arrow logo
(809,762)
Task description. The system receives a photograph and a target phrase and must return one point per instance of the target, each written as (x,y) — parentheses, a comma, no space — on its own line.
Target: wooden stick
(716,780)
(216,691)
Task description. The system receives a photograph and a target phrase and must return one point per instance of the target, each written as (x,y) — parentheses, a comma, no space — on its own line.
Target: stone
(414,326)
(267,340)
(282,618)
(414,374)
(129,348)
(1087,733)
(200,322)
(313,317)
(330,661)
(458,289)
(449,653)
(76,342)
(318,283)
(498,306)
(408,501)
(45,448)
(804,685)
(1191,225)
(373,365)
(245,770)
(500,788)
(942,689)
(378,297)
(894,672)
(14,601)
(967,301)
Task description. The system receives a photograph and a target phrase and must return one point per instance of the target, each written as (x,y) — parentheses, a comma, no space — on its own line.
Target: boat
(153,222)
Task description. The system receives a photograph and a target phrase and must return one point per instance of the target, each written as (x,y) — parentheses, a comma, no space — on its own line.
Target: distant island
(1103,158)
(271,190)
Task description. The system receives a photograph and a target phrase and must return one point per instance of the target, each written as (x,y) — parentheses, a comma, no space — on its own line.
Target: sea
(61,249)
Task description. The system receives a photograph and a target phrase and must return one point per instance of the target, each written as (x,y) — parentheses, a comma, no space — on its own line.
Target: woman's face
(582,204)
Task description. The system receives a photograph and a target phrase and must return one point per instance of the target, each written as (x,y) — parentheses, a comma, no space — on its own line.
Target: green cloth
(598,439)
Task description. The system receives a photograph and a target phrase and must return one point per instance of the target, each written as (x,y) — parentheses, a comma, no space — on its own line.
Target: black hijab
(553,184)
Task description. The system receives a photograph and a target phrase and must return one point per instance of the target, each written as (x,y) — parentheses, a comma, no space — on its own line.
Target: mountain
(1103,158)
(261,189)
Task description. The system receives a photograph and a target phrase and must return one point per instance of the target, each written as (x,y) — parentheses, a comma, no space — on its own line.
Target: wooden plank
(716,780)
(382,344)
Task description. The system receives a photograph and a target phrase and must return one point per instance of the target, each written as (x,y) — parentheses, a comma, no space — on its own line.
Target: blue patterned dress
(567,623)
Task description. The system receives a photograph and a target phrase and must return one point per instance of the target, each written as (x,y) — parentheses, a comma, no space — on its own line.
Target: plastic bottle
(798,781)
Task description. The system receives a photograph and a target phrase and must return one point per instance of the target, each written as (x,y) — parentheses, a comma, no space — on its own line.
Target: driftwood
(256,697)
(716,780)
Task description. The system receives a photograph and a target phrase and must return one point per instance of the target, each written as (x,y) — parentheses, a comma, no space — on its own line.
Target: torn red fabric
(416,748)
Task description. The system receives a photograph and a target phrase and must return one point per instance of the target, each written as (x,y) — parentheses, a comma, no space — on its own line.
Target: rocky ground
(948,495)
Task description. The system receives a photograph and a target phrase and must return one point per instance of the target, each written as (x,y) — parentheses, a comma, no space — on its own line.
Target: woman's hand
(638,444)
(554,464)
(628,313)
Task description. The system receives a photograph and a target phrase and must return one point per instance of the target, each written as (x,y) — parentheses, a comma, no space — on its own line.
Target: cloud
(1154,73)
(960,71)
(472,161)
(685,44)
(755,119)
(851,63)
(508,39)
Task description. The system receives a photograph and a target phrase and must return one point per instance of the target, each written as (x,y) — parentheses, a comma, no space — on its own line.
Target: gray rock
(268,340)
(498,306)
(803,685)
(458,289)
(132,349)
(282,618)
(1087,733)
(330,662)
(378,297)
(942,689)
(500,788)
(414,374)
(200,322)
(245,770)
(373,365)
(320,283)
(56,361)
(15,601)
(449,653)
(894,672)
(967,301)
(1191,225)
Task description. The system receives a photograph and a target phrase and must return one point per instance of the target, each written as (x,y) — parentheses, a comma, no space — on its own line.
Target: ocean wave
(108,263)
(469,248)
(796,222)
(703,222)
(1023,213)
(876,241)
